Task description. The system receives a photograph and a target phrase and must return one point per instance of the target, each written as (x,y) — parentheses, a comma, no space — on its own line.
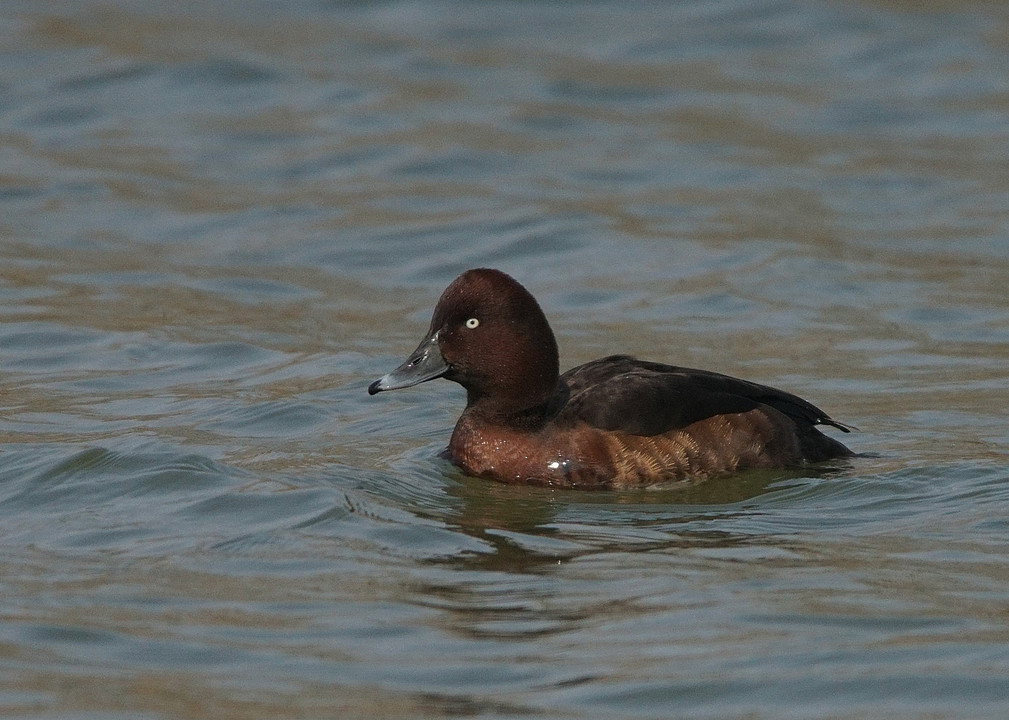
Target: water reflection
(532,529)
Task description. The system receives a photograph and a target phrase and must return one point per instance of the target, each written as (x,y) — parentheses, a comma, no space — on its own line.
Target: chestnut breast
(583,456)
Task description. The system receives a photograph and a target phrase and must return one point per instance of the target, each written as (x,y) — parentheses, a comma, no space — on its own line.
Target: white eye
(472,323)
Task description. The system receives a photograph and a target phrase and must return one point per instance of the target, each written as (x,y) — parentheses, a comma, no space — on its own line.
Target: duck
(612,423)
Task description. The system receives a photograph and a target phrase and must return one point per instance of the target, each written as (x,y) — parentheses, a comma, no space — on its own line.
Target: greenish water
(219,221)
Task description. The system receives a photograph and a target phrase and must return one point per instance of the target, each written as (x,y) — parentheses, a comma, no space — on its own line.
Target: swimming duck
(610,423)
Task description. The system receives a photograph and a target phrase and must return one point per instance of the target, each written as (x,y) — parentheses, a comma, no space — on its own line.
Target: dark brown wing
(644,398)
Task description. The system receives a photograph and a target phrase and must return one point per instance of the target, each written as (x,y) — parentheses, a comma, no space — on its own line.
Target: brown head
(489,335)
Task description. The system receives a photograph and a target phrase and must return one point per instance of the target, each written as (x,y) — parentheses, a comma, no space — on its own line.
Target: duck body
(612,422)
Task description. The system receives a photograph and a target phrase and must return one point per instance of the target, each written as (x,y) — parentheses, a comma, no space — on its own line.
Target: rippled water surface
(220,220)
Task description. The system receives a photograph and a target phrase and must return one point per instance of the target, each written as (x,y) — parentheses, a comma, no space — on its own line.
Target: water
(221,220)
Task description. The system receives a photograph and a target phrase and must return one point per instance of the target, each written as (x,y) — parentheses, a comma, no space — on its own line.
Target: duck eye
(472,323)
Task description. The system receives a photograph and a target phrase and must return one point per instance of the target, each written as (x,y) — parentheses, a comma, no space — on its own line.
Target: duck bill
(425,363)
